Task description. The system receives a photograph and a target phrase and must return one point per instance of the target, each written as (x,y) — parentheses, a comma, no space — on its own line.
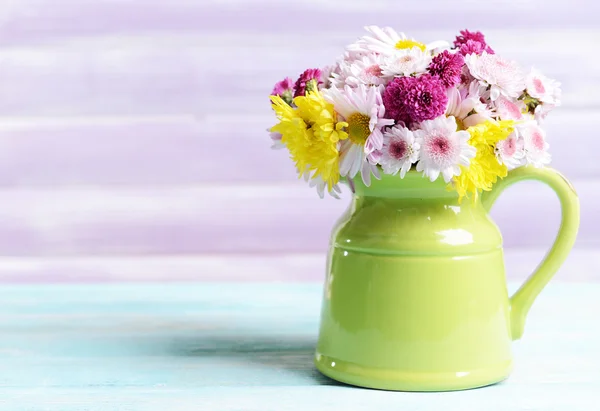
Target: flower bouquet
(391,104)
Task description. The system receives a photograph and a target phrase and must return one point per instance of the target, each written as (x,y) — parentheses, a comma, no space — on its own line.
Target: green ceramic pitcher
(415,297)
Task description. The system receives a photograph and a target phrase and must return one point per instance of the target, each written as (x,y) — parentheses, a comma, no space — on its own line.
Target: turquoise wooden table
(234,346)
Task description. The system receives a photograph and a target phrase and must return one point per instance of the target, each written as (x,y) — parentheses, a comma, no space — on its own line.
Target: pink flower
(466,35)
(510,151)
(283,86)
(542,111)
(509,109)
(443,149)
(284,89)
(400,151)
(473,42)
(504,77)
(415,99)
(534,144)
(472,47)
(308,81)
(543,88)
(448,67)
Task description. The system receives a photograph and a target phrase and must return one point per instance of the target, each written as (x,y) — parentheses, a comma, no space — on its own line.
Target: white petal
(375,171)
(447,174)
(346,158)
(433,174)
(405,168)
(384,122)
(365,173)
(321,190)
(475,119)
(451,123)
(357,158)
(376,139)
(494,93)
(453,102)
(381,34)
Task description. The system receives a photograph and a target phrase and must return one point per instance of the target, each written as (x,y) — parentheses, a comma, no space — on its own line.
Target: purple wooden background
(133,143)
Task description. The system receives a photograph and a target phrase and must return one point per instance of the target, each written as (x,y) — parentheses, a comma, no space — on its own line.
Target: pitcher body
(415,297)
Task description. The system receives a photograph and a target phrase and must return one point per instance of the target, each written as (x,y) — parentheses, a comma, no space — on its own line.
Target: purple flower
(415,99)
(284,89)
(308,81)
(448,67)
(471,42)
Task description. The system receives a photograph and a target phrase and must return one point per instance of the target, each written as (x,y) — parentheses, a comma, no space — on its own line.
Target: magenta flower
(308,81)
(466,35)
(471,42)
(283,86)
(415,99)
(284,89)
(448,67)
(473,47)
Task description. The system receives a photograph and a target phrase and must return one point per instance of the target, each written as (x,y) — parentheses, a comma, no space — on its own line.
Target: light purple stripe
(153,152)
(221,219)
(92,79)
(88,18)
(580,266)
(219,150)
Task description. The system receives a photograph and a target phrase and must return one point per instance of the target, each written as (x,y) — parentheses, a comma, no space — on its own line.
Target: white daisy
(543,88)
(505,77)
(534,144)
(365,70)
(400,151)
(276,140)
(406,62)
(363,110)
(386,41)
(443,149)
(466,105)
(510,151)
(321,186)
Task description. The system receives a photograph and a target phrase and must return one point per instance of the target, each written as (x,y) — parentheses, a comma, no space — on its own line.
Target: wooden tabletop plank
(249,347)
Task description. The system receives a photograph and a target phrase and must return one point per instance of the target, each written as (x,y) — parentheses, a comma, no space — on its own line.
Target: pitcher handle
(521,301)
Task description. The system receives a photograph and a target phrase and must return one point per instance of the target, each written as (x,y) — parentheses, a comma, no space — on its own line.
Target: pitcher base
(384,379)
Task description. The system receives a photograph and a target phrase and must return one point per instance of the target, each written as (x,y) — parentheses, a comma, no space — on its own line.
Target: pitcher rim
(413,185)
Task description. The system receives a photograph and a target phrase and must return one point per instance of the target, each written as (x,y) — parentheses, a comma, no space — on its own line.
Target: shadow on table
(283,353)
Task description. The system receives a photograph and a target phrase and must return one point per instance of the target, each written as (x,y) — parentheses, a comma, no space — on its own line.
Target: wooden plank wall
(133,143)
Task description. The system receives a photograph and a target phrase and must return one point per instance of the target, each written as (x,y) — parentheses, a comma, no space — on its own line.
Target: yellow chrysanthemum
(483,170)
(409,44)
(320,114)
(311,133)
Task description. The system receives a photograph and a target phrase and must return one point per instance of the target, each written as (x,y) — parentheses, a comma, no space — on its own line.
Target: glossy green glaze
(415,297)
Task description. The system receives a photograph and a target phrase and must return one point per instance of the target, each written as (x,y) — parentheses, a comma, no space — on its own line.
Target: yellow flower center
(358,128)
(409,44)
